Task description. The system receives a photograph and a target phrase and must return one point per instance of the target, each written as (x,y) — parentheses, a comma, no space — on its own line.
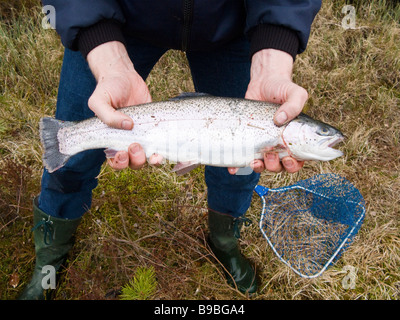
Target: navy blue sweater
(186,24)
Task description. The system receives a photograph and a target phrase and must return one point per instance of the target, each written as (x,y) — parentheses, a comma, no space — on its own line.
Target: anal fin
(110,153)
(184,167)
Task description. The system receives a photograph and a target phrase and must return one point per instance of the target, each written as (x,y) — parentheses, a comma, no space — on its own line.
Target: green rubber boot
(223,241)
(54,238)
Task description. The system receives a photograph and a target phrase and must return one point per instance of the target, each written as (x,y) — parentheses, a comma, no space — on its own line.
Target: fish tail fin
(53,159)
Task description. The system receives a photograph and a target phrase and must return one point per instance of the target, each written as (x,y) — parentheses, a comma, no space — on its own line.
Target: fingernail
(122,157)
(255,165)
(134,150)
(288,163)
(126,125)
(232,170)
(156,159)
(281,118)
(271,156)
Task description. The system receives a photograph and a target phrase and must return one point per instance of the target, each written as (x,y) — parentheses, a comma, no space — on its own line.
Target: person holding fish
(238,49)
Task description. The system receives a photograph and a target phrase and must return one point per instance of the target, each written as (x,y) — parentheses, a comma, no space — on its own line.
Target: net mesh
(310,224)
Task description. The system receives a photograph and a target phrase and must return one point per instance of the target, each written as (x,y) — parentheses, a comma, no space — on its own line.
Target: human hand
(118,85)
(271,73)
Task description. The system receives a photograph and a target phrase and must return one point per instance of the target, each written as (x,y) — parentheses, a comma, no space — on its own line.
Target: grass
(153,220)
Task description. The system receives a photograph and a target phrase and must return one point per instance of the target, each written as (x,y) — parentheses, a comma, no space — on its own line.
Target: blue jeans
(67,192)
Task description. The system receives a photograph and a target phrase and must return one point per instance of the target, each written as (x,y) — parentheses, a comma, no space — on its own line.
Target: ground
(151,224)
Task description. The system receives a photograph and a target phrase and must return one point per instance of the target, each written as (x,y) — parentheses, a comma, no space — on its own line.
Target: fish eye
(323,131)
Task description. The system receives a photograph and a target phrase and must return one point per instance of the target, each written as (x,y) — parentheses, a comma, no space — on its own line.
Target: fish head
(310,139)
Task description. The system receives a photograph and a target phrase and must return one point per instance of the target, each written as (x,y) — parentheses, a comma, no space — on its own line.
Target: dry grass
(154,218)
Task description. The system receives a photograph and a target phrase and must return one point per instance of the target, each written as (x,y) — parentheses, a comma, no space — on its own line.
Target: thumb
(292,107)
(100,104)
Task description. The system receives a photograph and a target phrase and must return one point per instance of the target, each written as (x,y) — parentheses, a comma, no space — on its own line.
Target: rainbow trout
(192,130)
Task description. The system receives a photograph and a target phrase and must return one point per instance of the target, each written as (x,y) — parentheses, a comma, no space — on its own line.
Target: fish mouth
(330,142)
(334,141)
(327,152)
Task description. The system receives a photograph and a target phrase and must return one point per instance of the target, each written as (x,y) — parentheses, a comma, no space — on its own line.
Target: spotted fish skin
(217,131)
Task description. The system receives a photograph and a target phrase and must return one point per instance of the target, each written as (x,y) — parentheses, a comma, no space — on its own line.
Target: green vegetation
(150,225)
(142,286)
